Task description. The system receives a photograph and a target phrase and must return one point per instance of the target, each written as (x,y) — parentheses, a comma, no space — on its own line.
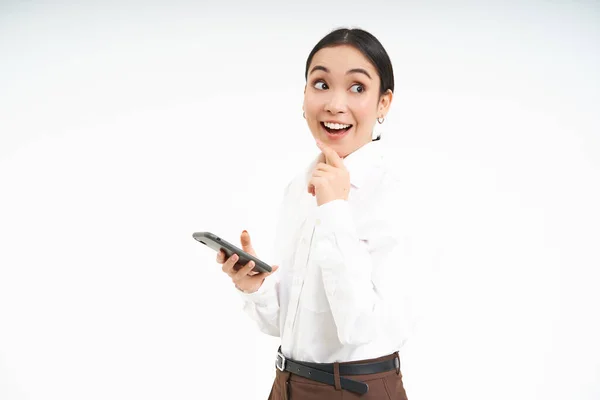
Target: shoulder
(382,204)
(299,181)
(294,184)
(386,185)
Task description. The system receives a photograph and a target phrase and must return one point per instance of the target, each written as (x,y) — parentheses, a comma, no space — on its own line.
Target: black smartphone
(216,243)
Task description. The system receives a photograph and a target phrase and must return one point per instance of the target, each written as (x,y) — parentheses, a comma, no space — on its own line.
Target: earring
(303,115)
(380,119)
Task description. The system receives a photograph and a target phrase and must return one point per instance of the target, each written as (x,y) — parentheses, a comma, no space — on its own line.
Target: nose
(336,103)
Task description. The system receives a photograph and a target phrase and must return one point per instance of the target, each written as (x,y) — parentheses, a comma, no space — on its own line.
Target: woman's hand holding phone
(244,278)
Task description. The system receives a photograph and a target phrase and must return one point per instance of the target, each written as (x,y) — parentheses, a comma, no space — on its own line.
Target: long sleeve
(263,306)
(367,280)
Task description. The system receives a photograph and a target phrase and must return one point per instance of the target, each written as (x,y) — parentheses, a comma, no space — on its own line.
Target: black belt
(324,373)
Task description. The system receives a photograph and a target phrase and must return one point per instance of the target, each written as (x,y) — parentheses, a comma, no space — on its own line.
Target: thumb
(247,243)
(322,158)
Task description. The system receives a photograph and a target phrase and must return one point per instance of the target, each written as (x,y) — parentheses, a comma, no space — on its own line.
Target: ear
(304,99)
(385,100)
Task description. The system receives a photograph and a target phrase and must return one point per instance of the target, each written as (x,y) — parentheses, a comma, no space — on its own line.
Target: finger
(320,162)
(322,158)
(317,181)
(230,264)
(323,174)
(331,156)
(263,275)
(245,270)
(247,243)
(220,257)
(325,167)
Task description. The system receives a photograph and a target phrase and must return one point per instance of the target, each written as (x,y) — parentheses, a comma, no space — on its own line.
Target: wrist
(242,290)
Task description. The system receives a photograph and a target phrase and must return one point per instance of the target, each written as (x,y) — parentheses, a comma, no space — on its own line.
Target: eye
(320,85)
(357,88)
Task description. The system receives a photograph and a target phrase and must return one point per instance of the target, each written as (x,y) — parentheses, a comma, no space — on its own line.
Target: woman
(340,300)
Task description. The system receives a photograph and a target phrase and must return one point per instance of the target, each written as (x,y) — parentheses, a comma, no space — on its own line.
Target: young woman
(340,301)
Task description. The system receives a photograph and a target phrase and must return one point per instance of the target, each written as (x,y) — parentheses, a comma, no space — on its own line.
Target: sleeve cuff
(262,295)
(335,216)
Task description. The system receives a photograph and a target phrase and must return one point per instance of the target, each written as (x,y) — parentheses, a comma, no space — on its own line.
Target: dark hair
(368,45)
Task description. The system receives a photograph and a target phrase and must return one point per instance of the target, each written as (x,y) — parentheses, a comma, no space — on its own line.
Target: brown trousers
(382,386)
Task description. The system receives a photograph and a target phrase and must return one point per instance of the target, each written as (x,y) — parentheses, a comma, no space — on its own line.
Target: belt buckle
(282,363)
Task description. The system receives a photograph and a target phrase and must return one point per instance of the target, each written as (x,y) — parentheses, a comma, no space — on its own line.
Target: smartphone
(216,243)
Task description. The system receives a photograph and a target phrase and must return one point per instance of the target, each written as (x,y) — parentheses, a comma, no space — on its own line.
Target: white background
(126,127)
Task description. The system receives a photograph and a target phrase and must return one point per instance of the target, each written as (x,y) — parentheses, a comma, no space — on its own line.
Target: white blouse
(343,288)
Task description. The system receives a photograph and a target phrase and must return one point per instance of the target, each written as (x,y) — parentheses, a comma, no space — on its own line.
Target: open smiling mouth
(336,129)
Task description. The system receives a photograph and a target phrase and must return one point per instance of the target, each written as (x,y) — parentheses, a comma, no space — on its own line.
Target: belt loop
(336,376)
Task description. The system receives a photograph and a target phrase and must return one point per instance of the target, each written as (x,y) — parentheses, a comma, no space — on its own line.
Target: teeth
(335,126)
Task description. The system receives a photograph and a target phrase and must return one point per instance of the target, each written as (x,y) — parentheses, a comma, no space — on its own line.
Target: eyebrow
(350,71)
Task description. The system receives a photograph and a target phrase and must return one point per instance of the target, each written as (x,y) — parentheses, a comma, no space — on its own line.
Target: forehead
(339,59)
